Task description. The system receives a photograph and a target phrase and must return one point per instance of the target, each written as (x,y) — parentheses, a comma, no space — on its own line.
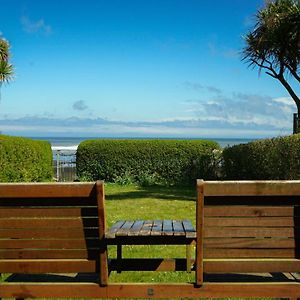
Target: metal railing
(64,165)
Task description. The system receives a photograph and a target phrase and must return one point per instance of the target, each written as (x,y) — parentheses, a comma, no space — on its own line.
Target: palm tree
(274,43)
(6,69)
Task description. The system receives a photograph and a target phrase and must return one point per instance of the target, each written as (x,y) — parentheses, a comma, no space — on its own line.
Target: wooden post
(102,227)
(199,232)
(188,257)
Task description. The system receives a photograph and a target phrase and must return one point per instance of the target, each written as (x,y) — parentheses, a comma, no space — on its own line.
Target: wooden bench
(249,227)
(242,227)
(51,228)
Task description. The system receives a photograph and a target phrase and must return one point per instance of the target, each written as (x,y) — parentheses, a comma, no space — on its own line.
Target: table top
(155,228)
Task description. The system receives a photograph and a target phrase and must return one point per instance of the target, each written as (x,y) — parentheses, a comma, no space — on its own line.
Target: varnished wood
(46,190)
(57,223)
(46,233)
(251,222)
(248,243)
(250,253)
(53,228)
(199,231)
(249,235)
(50,212)
(49,244)
(49,253)
(135,290)
(247,265)
(250,211)
(100,196)
(238,188)
(278,232)
(47,266)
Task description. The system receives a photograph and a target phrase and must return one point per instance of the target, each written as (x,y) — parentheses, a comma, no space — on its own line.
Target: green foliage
(147,162)
(23,159)
(277,158)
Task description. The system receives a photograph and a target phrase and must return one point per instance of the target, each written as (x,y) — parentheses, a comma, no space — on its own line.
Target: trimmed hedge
(276,158)
(23,159)
(147,162)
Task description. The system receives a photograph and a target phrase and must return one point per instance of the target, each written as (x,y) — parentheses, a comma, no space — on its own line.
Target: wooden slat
(250,211)
(240,188)
(147,228)
(251,265)
(161,290)
(190,231)
(248,243)
(102,253)
(199,232)
(51,254)
(48,223)
(135,290)
(62,233)
(48,244)
(112,231)
(123,231)
(178,228)
(251,221)
(249,253)
(47,266)
(136,227)
(58,202)
(46,190)
(167,227)
(49,212)
(157,228)
(250,232)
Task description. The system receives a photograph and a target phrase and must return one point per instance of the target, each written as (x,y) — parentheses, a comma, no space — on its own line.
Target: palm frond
(6,72)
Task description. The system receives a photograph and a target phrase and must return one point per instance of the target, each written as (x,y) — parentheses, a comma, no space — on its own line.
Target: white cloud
(39,26)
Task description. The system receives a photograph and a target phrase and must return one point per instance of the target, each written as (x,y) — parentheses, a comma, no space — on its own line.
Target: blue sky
(156,68)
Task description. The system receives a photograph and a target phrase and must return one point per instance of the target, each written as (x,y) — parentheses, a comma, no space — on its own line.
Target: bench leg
(119,258)
(189,258)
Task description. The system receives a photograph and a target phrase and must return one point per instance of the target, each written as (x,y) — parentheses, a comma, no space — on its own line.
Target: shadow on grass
(154,192)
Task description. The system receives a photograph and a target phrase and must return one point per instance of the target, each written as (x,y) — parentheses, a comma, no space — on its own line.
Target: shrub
(148,162)
(277,158)
(23,159)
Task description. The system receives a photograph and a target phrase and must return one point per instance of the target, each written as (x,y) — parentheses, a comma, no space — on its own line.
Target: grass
(135,202)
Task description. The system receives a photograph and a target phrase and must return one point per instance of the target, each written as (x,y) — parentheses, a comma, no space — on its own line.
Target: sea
(71,143)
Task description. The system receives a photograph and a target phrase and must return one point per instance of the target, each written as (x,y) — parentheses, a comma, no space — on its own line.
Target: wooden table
(152,232)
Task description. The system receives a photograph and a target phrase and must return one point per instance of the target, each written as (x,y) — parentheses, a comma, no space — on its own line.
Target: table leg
(189,257)
(119,258)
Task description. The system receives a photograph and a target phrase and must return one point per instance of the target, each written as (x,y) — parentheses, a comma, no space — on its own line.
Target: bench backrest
(59,225)
(247,220)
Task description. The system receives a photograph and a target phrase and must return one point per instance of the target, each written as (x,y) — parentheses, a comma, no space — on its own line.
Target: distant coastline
(71,143)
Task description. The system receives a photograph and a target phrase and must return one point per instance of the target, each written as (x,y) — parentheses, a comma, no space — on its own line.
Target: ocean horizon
(72,142)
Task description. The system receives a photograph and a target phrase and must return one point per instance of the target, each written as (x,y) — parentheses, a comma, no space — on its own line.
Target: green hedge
(276,158)
(147,162)
(23,159)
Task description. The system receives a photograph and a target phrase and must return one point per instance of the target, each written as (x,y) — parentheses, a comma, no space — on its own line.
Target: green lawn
(134,202)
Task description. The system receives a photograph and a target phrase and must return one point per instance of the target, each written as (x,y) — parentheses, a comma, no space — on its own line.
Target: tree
(274,43)
(6,69)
